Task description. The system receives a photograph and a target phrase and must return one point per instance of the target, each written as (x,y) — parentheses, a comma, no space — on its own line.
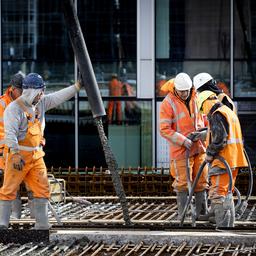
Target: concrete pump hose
(249,192)
(196,181)
(192,192)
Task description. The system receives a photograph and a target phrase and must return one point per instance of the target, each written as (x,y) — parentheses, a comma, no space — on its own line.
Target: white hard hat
(200,79)
(182,82)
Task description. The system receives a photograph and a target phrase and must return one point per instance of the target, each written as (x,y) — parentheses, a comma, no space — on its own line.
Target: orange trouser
(111,108)
(178,172)
(34,174)
(219,185)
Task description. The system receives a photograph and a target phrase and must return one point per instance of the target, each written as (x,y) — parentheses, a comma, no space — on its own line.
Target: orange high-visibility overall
(232,153)
(176,123)
(5,100)
(34,172)
(115,89)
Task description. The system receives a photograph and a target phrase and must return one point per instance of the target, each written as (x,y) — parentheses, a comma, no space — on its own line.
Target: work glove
(209,158)
(78,85)
(198,135)
(17,161)
(194,136)
(79,81)
(187,143)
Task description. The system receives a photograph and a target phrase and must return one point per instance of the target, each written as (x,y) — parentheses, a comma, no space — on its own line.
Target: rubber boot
(181,202)
(233,214)
(201,203)
(41,213)
(16,208)
(31,204)
(5,213)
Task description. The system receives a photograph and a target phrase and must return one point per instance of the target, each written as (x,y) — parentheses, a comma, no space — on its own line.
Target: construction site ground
(99,229)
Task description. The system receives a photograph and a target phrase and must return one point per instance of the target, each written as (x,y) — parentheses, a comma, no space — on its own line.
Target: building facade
(140,44)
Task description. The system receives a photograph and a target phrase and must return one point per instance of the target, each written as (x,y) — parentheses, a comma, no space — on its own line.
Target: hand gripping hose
(193,138)
(196,180)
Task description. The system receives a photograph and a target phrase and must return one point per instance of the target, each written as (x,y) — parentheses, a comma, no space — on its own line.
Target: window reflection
(192,43)
(109,29)
(244,48)
(131,140)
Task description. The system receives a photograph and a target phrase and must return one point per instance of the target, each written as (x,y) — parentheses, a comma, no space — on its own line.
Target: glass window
(248,124)
(130,137)
(109,29)
(35,39)
(192,36)
(59,134)
(244,48)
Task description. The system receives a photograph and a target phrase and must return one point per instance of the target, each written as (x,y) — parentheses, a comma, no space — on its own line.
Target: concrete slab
(162,237)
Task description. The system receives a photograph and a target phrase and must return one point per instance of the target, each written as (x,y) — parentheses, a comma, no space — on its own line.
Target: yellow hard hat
(202,97)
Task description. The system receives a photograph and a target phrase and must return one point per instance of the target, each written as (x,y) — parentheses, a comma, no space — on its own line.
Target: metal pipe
(95,100)
(83,59)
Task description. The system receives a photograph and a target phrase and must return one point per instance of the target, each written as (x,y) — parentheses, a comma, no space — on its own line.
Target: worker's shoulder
(13,107)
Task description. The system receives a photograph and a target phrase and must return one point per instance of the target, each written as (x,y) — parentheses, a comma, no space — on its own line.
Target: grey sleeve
(52,100)
(219,131)
(12,121)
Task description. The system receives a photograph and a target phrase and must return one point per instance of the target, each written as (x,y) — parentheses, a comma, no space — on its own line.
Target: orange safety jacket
(115,87)
(5,100)
(233,151)
(177,122)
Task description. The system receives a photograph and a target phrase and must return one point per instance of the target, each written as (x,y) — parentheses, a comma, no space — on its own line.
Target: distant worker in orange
(159,84)
(223,87)
(115,106)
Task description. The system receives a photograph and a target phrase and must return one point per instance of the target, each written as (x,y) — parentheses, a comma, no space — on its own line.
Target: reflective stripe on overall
(34,172)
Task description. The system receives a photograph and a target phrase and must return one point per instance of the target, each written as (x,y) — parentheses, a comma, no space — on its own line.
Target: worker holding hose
(24,122)
(224,139)
(205,82)
(179,119)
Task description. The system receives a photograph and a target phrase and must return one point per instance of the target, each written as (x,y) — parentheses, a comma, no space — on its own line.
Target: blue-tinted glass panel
(109,29)
(244,49)
(192,36)
(130,137)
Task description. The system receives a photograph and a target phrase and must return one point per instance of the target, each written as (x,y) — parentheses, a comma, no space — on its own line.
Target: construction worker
(24,122)
(179,119)
(13,91)
(205,82)
(159,84)
(115,89)
(224,139)
(223,87)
